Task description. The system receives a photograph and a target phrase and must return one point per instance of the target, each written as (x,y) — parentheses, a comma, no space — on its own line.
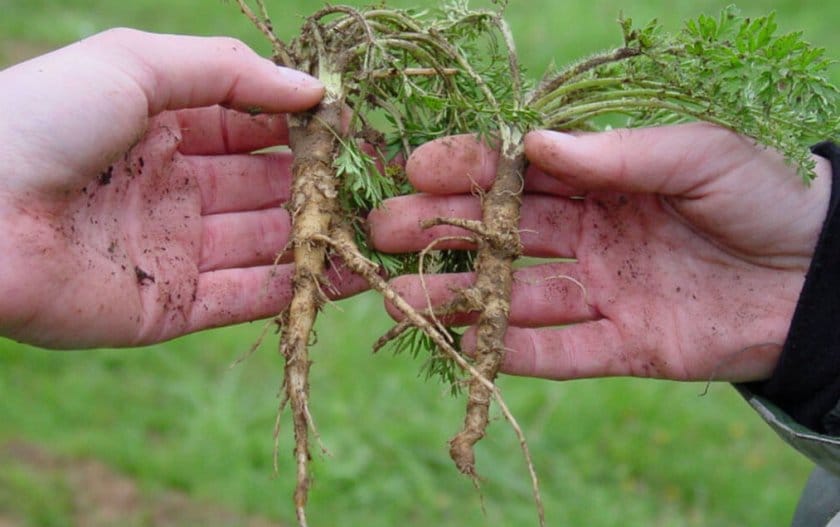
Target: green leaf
(728,70)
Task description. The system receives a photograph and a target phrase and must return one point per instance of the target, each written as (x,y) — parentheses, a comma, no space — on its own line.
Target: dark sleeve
(806,381)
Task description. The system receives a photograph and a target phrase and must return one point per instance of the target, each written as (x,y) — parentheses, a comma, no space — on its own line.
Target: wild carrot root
(314,207)
(499,246)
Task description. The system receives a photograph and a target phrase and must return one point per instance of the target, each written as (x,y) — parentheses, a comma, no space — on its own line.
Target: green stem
(398,121)
(578,69)
(513,61)
(394,16)
(585,85)
(660,92)
(582,112)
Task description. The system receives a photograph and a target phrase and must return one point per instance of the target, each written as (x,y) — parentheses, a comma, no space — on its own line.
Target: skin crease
(691,245)
(131,211)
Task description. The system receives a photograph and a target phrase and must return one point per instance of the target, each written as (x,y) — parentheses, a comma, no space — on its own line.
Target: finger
(590,349)
(217,130)
(460,164)
(396,226)
(452,165)
(432,292)
(243,239)
(538,181)
(549,226)
(670,160)
(176,71)
(241,182)
(550,294)
(542,295)
(232,296)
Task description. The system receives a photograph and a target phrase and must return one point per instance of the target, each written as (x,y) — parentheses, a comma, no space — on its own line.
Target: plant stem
(281,54)
(583,112)
(584,85)
(578,69)
(660,93)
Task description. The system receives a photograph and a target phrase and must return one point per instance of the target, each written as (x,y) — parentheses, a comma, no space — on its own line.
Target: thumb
(669,160)
(68,114)
(177,71)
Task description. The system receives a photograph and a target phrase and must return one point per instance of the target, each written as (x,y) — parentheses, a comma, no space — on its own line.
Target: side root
(341,241)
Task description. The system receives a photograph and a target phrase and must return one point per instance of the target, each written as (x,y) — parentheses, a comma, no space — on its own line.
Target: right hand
(132,210)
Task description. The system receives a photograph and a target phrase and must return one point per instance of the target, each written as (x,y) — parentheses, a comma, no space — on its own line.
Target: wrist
(806,380)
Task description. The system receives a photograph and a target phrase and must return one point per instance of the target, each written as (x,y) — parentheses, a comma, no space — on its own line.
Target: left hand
(131,211)
(690,247)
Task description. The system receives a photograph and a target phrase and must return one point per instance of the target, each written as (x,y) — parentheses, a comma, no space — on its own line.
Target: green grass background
(176,416)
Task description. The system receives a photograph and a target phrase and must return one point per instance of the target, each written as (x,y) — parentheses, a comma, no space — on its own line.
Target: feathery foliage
(733,71)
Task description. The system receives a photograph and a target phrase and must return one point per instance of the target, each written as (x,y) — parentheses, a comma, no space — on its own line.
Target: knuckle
(231,44)
(118,35)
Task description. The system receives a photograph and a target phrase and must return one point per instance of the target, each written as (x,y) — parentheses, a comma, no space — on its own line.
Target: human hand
(131,211)
(690,242)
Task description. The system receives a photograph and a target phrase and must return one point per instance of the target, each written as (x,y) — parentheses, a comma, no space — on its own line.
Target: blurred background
(172,435)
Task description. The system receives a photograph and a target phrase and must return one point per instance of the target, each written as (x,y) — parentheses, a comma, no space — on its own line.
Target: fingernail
(303,80)
(551,135)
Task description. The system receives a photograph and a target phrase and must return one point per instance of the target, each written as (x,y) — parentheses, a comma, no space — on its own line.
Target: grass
(177,416)
(611,451)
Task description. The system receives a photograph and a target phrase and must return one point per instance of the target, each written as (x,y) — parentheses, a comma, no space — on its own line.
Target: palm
(158,243)
(659,300)
(138,228)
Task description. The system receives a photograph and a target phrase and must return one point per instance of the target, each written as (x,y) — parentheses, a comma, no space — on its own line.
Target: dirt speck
(106,175)
(143,277)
